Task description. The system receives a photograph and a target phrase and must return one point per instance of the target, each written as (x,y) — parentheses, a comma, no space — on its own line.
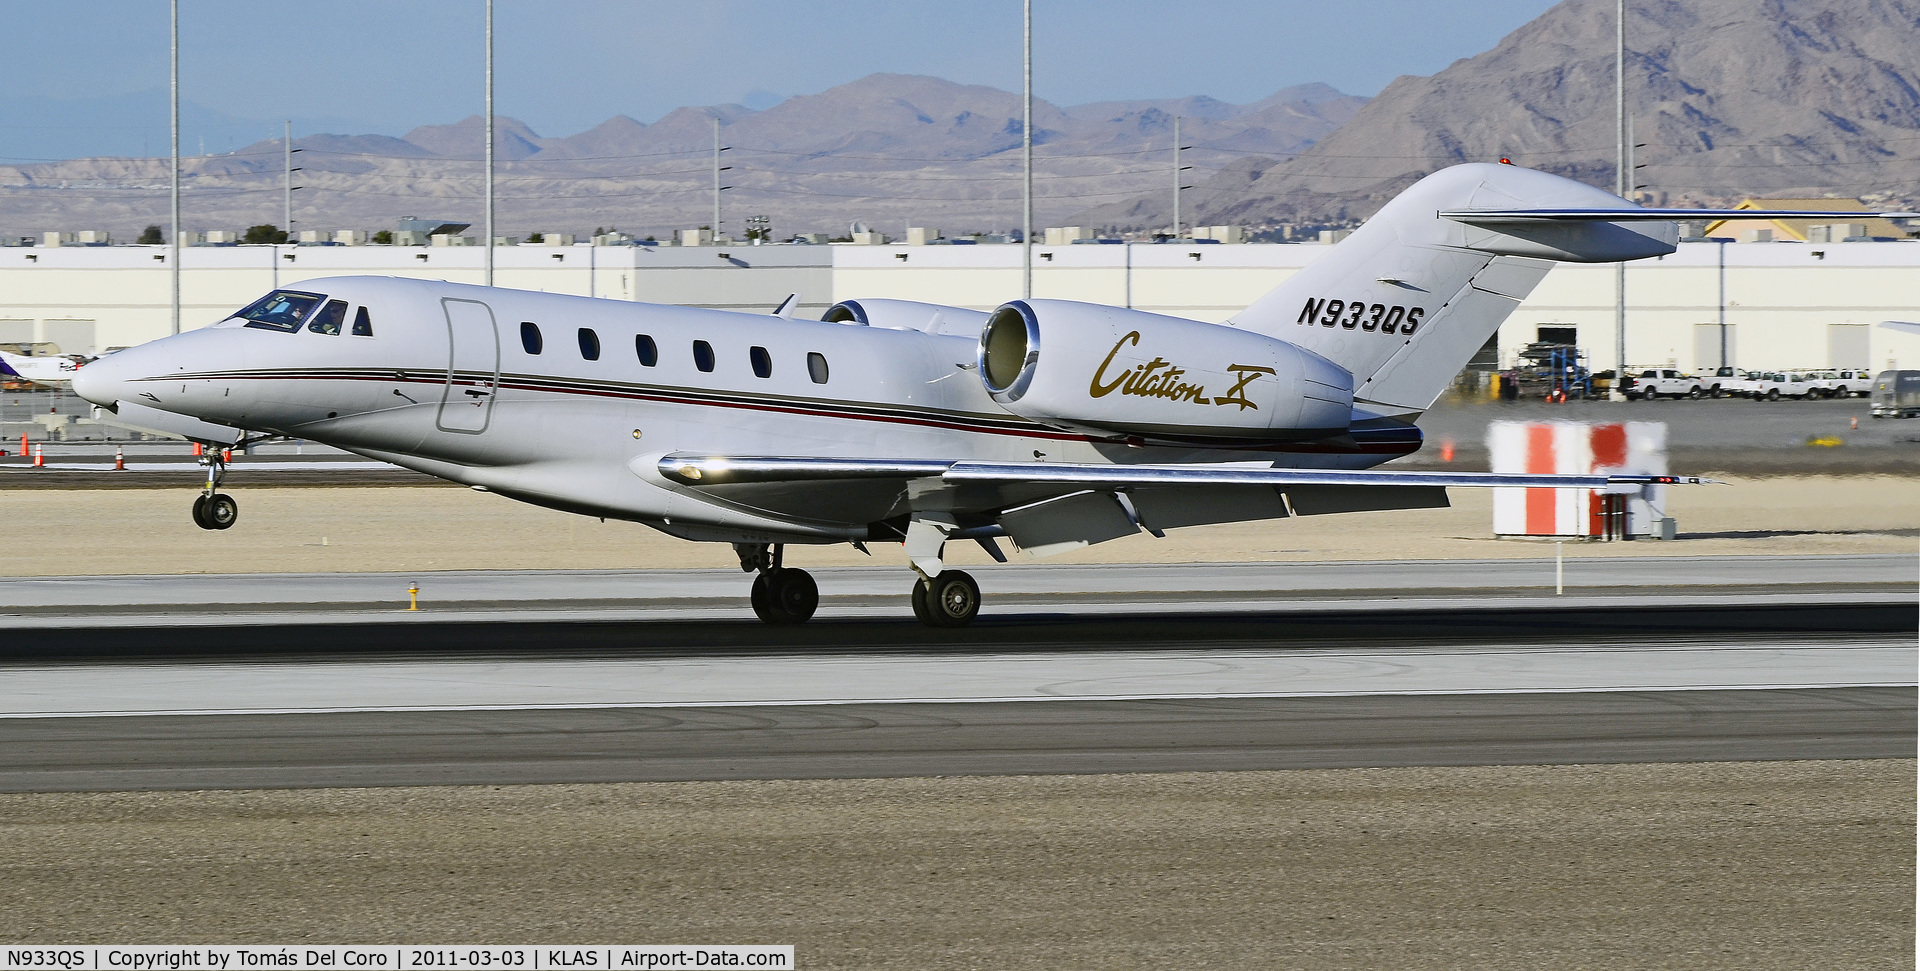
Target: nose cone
(103,381)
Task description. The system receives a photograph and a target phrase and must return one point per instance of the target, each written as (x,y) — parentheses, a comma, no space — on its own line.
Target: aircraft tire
(919,598)
(221,512)
(793,595)
(951,599)
(200,512)
(762,599)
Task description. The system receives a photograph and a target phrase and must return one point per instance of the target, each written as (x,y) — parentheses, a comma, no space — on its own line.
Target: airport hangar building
(1785,305)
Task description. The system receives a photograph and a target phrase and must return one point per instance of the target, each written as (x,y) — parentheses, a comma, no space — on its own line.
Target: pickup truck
(1725,382)
(1774,385)
(1655,382)
(1741,384)
(1844,383)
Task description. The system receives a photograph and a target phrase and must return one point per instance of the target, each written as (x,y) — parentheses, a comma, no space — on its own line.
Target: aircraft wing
(1054,506)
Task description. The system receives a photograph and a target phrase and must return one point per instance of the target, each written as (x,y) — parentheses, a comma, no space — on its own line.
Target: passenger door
(473,366)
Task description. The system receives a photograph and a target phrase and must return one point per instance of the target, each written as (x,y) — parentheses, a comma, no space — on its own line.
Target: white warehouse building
(1786,305)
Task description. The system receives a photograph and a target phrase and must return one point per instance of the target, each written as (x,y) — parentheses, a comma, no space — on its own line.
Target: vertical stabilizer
(1405,301)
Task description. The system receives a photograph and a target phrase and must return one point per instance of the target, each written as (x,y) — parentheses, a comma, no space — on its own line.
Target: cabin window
(281,310)
(644,347)
(530,336)
(362,324)
(330,319)
(817,367)
(703,355)
(589,344)
(762,362)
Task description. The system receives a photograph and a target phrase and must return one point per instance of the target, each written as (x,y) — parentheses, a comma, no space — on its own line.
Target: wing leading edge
(712,470)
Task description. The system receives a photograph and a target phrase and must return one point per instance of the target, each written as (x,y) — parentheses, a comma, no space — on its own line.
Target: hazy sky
(566,65)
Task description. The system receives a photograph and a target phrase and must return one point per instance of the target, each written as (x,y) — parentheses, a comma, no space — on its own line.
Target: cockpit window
(281,310)
(330,320)
(362,324)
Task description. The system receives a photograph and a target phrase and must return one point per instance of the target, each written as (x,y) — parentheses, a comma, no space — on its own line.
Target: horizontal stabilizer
(1480,217)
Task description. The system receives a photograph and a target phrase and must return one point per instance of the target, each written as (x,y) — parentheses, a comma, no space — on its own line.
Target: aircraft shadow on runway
(1005,633)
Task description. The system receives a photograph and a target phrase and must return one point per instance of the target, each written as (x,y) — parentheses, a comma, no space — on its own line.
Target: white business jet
(1051,423)
(50,370)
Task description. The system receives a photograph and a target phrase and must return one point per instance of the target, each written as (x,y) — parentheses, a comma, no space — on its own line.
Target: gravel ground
(345,529)
(1720,865)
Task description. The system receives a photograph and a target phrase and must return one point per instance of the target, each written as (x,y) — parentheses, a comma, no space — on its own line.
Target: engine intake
(932,318)
(1108,371)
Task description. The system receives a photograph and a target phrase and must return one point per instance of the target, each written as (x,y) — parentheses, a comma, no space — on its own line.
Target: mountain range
(1728,98)
(886,150)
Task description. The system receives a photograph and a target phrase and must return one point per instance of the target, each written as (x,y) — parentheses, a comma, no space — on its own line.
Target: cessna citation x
(1052,423)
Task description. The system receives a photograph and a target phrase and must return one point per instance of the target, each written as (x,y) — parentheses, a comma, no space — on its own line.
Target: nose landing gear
(214,509)
(781,595)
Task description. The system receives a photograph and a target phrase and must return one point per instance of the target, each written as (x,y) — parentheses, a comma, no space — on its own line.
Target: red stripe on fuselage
(1029,431)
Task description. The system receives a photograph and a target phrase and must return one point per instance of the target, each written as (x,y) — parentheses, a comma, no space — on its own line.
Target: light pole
(1026,151)
(286,144)
(1722,247)
(489,142)
(1620,182)
(174,173)
(717,169)
(1177,176)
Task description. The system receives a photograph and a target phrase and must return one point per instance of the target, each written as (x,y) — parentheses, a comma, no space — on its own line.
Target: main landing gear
(781,595)
(950,599)
(784,595)
(214,509)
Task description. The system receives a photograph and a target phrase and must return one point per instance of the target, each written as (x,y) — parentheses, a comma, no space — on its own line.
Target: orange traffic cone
(119,459)
(39,457)
(197,450)
(226,455)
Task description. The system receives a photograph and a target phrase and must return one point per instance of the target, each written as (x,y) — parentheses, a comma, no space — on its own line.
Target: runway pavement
(313,680)
(1012,591)
(521,746)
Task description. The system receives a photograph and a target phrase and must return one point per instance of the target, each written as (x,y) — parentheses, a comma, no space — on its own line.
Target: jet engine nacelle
(1104,370)
(907,315)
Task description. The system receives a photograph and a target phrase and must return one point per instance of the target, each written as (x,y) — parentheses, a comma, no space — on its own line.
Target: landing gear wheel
(219,511)
(795,595)
(951,599)
(785,596)
(763,600)
(919,598)
(200,512)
